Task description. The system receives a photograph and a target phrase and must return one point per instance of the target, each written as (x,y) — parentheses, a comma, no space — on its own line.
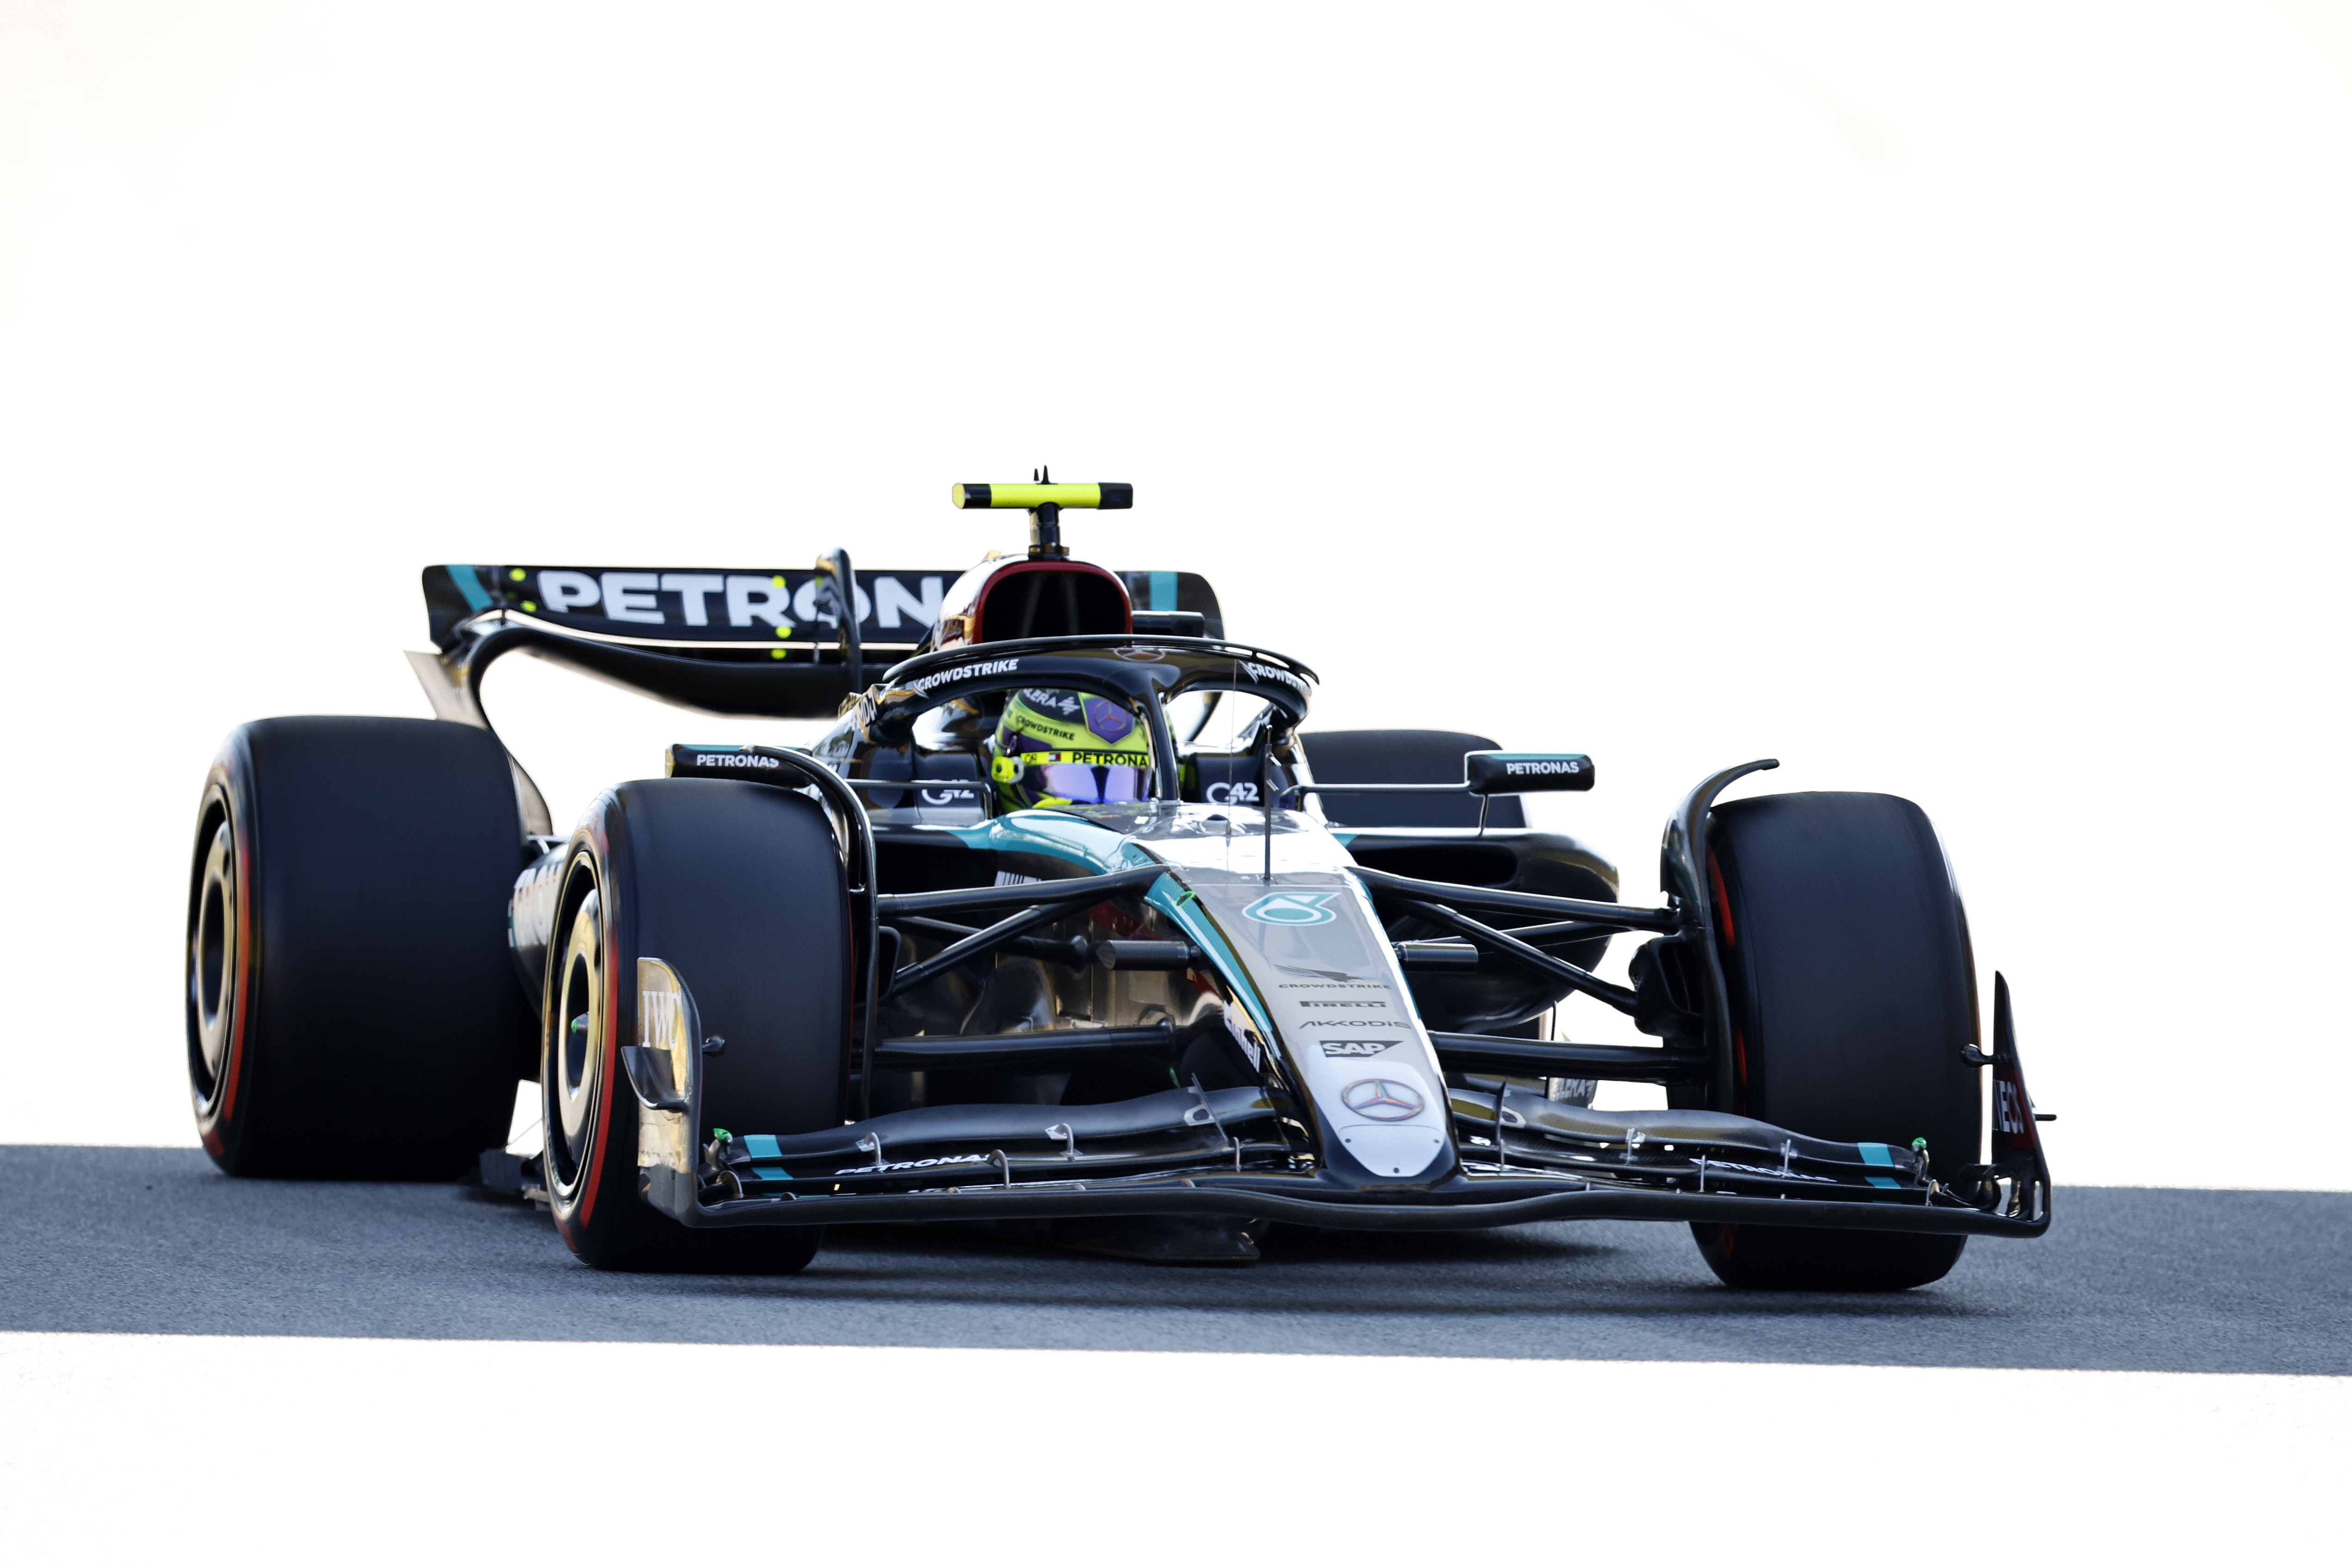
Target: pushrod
(1583,980)
(1061,890)
(1630,917)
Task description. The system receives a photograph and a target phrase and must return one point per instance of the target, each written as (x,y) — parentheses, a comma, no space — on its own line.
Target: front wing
(1208,1151)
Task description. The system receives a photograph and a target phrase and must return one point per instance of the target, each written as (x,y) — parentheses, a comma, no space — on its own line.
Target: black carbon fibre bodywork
(1496,996)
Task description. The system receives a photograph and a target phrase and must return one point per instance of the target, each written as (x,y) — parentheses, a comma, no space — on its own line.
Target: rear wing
(783,610)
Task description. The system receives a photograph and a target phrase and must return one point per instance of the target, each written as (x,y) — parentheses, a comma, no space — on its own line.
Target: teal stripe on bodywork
(1102,852)
(1163,591)
(1878,1154)
(469,582)
(1172,898)
(1051,833)
(762,1146)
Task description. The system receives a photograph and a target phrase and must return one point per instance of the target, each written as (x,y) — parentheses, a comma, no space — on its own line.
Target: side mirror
(1526,772)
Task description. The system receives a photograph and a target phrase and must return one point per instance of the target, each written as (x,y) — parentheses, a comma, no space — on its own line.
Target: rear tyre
(352,1011)
(1852,993)
(739,888)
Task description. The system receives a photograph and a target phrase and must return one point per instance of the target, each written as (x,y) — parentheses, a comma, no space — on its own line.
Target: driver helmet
(1062,748)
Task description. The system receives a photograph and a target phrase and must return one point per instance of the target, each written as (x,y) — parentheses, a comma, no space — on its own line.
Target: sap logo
(1243,793)
(1292,909)
(1358,1047)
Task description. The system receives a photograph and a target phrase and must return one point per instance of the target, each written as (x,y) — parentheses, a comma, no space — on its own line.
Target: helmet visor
(1083,783)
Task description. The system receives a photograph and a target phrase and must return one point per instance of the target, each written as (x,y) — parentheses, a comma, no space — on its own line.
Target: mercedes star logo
(1381,1099)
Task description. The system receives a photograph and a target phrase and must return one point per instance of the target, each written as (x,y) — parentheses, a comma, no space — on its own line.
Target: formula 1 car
(1187,963)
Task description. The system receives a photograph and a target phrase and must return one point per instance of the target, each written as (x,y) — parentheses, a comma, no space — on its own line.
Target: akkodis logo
(1293,910)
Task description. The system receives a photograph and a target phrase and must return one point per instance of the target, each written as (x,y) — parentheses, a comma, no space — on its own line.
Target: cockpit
(1074,721)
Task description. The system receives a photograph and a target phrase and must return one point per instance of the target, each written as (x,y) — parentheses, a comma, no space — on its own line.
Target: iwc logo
(1293,910)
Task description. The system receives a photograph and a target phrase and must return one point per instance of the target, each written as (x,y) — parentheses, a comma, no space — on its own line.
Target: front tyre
(739,888)
(1851,994)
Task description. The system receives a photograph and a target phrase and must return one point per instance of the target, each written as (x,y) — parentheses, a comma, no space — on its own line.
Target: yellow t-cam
(1045,501)
(1001,497)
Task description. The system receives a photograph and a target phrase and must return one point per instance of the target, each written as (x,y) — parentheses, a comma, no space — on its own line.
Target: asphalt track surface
(153,1241)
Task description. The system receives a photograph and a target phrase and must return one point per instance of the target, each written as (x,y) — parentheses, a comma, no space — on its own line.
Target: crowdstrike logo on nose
(1292,909)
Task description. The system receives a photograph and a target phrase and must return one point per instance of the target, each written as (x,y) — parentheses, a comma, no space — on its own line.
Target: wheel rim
(574,1060)
(212,952)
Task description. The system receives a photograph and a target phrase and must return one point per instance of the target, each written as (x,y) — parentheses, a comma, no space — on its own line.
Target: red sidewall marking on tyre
(1722,901)
(607,1062)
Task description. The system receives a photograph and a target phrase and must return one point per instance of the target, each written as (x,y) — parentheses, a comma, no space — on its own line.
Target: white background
(383,1451)
(1945,400)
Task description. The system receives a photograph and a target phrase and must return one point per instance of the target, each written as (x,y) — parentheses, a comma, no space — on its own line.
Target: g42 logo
(1292,909)
(1242,794)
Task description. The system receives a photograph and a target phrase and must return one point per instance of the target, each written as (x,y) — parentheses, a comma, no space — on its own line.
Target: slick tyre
(739,888)
(352,1011)
(1852,993)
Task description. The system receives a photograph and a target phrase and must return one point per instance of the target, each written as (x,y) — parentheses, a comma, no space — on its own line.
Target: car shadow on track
(154,1241)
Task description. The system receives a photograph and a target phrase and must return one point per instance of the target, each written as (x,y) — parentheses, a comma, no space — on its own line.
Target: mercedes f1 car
(1156,953)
